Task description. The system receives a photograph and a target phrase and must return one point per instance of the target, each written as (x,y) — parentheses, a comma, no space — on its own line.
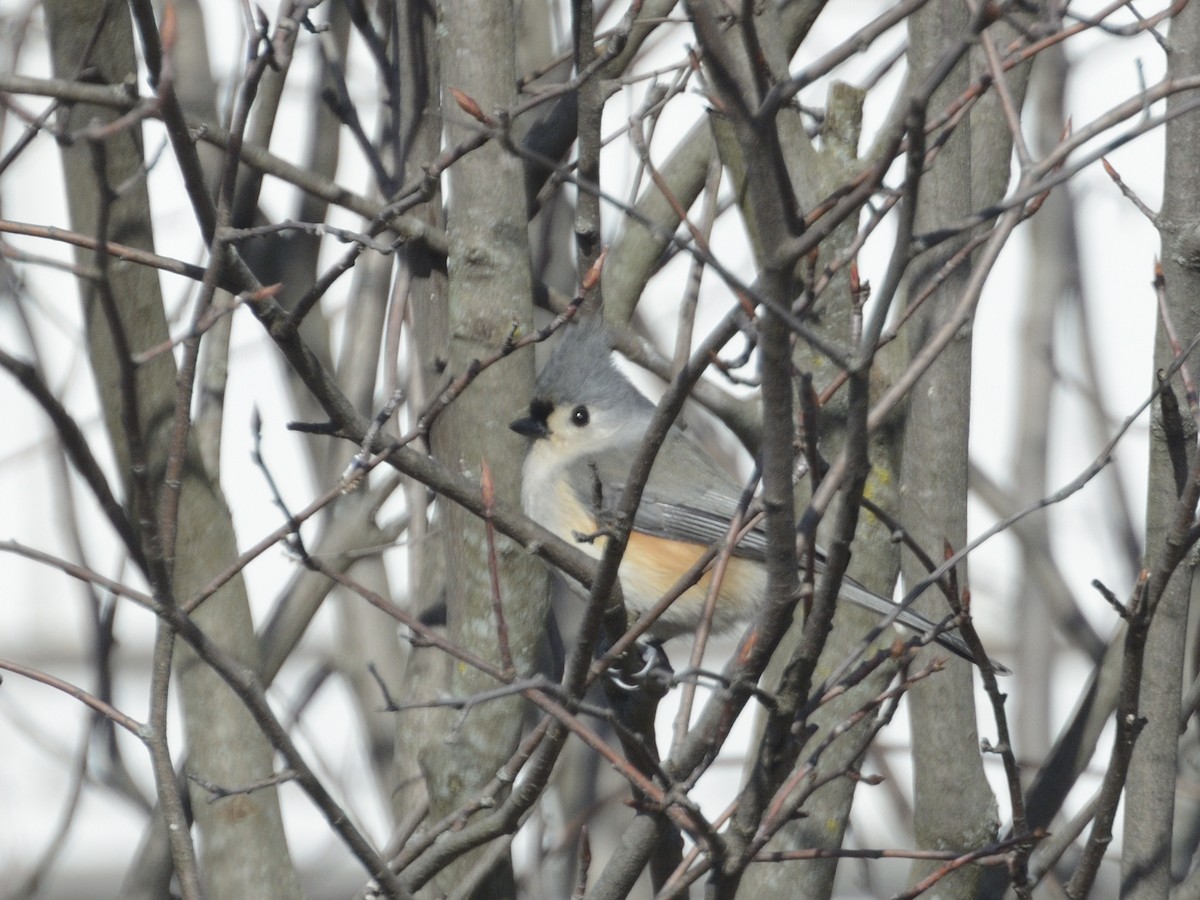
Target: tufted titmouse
(587,421)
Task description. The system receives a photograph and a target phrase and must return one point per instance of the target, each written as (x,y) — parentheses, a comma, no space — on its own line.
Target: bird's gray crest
(580,371)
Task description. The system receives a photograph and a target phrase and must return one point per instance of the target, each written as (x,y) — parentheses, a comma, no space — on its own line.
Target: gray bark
(490,289)
(1151,785)
(953,804)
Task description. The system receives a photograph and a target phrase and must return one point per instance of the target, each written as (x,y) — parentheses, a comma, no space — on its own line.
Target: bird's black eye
(579,416)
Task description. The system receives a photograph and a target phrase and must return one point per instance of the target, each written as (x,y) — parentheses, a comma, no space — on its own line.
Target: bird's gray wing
(688,497)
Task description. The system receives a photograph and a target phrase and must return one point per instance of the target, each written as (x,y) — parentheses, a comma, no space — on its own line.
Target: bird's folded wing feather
(693,500)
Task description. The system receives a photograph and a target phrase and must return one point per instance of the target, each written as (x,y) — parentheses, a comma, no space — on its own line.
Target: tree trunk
(1151,786)
(490,290)
(953,804)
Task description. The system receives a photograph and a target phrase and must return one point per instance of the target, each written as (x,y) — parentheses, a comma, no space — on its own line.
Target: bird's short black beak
(530,426)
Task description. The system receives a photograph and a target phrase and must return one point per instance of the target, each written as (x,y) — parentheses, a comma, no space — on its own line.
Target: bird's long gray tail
(914,621)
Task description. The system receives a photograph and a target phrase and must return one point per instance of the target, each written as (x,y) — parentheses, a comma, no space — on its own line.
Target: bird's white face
(577,430)
(571,432)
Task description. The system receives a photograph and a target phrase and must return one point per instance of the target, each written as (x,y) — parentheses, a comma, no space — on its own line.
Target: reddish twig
(488,490)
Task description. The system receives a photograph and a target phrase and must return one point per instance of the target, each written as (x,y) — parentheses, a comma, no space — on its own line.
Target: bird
(586,423)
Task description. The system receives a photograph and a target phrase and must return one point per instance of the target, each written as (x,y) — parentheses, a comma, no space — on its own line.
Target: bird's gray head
(580,389)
